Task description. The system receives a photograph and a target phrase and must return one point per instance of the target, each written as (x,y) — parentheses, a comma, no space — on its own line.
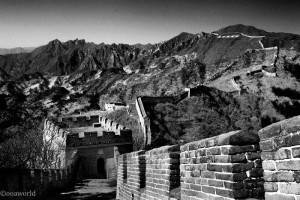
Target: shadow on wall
(225,166)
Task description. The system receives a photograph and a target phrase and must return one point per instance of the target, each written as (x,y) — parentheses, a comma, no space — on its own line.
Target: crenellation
(94,138)
(227,166)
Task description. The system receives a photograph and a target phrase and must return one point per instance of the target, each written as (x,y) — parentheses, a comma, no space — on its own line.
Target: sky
(32,23)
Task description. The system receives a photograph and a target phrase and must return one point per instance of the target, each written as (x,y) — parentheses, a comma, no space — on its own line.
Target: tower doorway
(101,168)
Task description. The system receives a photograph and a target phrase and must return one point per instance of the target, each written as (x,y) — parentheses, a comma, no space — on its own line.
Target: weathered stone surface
(271,186)
(237,138)
(278,196)
(277,176)
(290,125)
(289,188)
(269,165)
(288,165)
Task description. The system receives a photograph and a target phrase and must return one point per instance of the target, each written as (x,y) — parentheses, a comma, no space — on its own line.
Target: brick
(270,131)
(269,165)
(256,172)
(266,145)
(196,173)
(257,193)
(213,151)
(237,138)
(297,176)
(258,163)
(231,176)
(211,142)
(208,189)
(193,146)
(183,197)
(233,185)
(237,167)
(288,165)
(192,154)
(295,140)
(184,148)
(230,150)
(201,152)
(271,186)
(208,174)
(289,188)
(214,167)
(278,176)
(202,167)
(268,155)
(278,196)
(195,187)
(204,181)
(296,152)
(232,193)
(215,183)
(201,195)
(253,155)
(215,197)
(282,154)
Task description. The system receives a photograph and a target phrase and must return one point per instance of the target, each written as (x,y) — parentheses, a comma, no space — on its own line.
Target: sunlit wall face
(36,22)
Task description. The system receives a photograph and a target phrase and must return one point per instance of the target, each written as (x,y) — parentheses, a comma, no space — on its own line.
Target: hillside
(245,78)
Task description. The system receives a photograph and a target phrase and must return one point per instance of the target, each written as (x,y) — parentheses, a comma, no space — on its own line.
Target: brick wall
(280,145)
(148,175)
(224,167)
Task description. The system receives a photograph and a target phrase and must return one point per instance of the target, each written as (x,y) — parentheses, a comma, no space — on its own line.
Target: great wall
(234,165)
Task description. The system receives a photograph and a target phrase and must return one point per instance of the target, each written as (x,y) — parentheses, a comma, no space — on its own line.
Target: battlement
(98,138)
(110,125)
(227,166)
(74,121)
(51,128)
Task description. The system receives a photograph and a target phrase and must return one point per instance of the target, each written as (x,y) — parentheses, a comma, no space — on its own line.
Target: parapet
(227,166)
(99,138)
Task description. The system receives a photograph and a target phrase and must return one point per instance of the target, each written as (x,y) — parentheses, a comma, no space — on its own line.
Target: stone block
(296,152)
(233,185)
(231,176)
(288,165)
(282,154)
(266,145)
(256,172)
(253,155)
(213,151)
(271,186)
(195,187)
(237,138)
(271,176)
(268,155)
(208,189)
(231,150)
(269,165)
(278,196)
(289,188)
(215,183)
(207,174)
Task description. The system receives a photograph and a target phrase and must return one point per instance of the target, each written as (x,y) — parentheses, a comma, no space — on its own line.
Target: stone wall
(94,138)
(79,121)
(56,137)
(280,145)
(224,167)
(148,175)
(39,181)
